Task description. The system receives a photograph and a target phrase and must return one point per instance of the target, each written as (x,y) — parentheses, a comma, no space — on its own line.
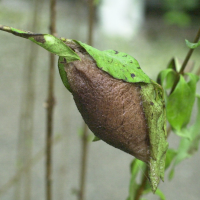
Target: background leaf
(180,102)
(170,155)
(192,45)
(188,147)
(136,166)
(167,76)
(158,193)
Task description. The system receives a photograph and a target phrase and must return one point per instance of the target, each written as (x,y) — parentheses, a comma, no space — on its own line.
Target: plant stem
(26,121)
(142,186)
(84,150)
(50,107)
(186,61)
(144,179)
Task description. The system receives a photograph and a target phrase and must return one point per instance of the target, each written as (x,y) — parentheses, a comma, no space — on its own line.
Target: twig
(91,22)
(144,179)
(186,60)
(84,150)
(26,112)
(50,107)
(84,157)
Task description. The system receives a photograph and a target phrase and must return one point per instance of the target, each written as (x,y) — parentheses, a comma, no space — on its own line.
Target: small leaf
(183,133)
(171,174)
(62,72)
(95,139)
(192,45)
(158,193)
(180,102)
(169,76)
(119,65)
(170,155)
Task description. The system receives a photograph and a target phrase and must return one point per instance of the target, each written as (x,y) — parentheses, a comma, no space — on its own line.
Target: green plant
(85,70)
(176,11)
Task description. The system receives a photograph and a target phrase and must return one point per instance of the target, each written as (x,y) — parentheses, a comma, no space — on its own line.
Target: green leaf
(168,75)
(154,108)
(171,174)
(158,193)
(119,65)
(136,166)
(47,41)
(188,147)
(170,155)
(95,139)
(176,17)
(180,102)
(62,72)
(183,133)
(192,45)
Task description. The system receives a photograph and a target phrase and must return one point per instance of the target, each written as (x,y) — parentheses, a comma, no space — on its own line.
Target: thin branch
(26,111)
(50,107)
(84,150)
(84,157)
(186,61)
(91,22)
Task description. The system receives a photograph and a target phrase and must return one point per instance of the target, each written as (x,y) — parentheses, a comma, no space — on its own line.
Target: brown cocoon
(111,108)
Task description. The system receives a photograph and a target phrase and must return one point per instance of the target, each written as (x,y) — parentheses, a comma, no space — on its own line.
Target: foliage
(176,11)
(179,106)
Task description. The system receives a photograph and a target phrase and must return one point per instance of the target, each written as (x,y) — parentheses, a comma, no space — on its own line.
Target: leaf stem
(50,107)
(84,157)
(142,186)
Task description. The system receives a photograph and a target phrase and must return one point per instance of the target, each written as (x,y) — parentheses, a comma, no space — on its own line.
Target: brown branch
(84,150)
(50,107)
(144,179)
(84,157)
(91,21)
(24,149)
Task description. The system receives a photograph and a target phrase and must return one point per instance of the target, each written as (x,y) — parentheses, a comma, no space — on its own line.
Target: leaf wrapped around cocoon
(118,101)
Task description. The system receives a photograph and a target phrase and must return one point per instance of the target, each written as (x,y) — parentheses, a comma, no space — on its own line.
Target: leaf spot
(132,75)
(116,52)
(39,38)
